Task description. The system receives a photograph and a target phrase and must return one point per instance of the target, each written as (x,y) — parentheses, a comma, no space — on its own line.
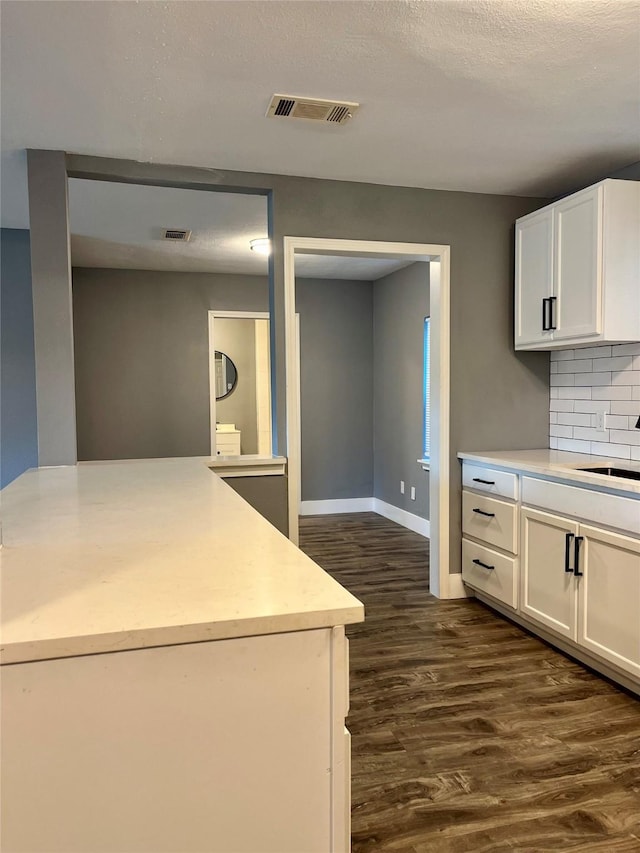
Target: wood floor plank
(470,735)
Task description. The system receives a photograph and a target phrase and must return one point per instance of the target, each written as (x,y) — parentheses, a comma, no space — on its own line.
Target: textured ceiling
(120,226)
(499,96)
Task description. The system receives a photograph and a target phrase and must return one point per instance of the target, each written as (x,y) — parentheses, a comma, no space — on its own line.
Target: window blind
(426,406)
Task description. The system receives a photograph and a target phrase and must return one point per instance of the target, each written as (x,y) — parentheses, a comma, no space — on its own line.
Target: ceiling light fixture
(262,246)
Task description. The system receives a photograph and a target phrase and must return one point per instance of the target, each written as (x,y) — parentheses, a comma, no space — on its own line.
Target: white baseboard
(401,516)
(393,513)
(336,506)
(456,589)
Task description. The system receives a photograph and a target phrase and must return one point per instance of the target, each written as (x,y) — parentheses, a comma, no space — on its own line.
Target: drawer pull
(484,565)
(485,482)
(482,512)
(567,550)
(576,557)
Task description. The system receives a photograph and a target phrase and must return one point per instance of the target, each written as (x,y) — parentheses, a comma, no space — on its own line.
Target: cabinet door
(548,592)
(534,277)
(609,595)
(577,312)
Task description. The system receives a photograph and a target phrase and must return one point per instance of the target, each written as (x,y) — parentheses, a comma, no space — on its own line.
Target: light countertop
(110,556)
(562,464)
(248,465)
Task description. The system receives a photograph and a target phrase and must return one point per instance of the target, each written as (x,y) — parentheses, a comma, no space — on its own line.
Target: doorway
(442,584)
(239,383)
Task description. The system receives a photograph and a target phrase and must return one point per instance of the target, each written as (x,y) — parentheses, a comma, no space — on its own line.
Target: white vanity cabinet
(559,556)
(228,440)
(577,269)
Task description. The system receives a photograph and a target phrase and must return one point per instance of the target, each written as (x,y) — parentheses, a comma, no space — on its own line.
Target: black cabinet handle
(552,322)
(484,565)
(567,550)
(486,482)
(545,326)
(488,514)
(576,557)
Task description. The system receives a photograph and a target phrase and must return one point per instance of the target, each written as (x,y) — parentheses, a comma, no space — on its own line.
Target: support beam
(52,307)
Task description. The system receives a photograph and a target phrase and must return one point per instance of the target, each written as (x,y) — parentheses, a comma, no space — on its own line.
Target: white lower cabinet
(609,598)
(548,588)
(572,579)
(583,583)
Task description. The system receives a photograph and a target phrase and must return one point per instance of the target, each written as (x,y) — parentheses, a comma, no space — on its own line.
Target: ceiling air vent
(176,234)
(315,109)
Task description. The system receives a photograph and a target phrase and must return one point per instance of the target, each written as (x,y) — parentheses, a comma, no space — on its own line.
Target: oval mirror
(226,375)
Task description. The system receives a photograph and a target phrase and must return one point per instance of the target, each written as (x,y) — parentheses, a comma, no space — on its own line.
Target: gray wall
(628,173)
(18,417)
(336,379)
(237,339)
(141,340)
(499,397)
(141,357)
(267,495)
(400,304)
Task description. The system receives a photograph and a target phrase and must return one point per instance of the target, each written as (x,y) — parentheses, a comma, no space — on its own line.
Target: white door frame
(223,315)
(441,583)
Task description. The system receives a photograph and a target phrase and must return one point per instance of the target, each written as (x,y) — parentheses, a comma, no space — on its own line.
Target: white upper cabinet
(534,277)
(578,269)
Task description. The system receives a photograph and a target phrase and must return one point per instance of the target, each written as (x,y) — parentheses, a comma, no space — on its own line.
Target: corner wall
(18,414)
(400,304)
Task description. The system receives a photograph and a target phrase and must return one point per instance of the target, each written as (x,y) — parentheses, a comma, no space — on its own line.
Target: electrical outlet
(601,421)
(402,487)
(413,493)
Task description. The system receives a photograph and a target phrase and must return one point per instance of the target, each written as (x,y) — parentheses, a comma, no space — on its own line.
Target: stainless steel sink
(625,473)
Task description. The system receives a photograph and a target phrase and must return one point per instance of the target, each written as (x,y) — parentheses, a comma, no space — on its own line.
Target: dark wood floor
(468,733)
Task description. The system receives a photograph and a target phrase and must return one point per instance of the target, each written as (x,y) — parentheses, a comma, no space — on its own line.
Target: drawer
(227,447)
(491,520)
(588,504)
(499,581)
(502,484)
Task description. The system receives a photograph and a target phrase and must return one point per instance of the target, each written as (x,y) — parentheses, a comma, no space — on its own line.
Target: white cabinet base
(226,746)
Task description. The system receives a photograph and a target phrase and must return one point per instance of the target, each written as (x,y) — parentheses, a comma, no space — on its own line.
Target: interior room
(320,426)
(142,334)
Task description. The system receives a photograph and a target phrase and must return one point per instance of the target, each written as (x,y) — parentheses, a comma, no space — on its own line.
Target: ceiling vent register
(313,109)
(176,234)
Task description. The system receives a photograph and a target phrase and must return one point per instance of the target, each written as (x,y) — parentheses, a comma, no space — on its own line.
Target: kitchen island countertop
(111,556)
